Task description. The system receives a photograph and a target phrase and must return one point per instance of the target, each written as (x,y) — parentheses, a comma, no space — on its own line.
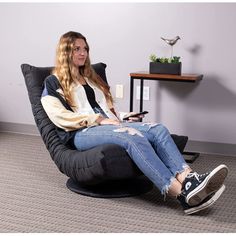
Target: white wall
(123,35)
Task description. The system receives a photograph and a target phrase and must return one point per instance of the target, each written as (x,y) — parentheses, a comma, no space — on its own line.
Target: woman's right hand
(108,121)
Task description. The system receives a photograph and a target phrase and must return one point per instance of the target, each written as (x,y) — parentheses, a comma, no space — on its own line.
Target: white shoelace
(193,174)
(196,175)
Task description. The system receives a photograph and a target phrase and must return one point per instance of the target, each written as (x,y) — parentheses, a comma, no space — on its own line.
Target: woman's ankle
(175,188)
(181,176)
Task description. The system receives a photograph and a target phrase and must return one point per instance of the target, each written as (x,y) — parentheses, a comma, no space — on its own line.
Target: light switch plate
(119,91)
(146,93)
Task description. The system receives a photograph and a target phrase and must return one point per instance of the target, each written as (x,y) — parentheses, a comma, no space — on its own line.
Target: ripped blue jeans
(148,144)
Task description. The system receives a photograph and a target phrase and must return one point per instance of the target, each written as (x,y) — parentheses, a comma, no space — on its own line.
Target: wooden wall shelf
(144,75)
(180,78)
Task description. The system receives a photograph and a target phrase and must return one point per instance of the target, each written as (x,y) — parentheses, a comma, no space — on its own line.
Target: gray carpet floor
(34,199)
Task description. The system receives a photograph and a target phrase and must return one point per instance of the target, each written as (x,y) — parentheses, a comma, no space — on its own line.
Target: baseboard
(19,128)
(192,146)
(211,148)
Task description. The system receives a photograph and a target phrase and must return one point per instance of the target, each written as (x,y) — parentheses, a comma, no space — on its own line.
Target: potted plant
(164,65)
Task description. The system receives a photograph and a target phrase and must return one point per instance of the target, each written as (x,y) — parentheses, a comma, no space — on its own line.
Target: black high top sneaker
(198,187)
(207,202)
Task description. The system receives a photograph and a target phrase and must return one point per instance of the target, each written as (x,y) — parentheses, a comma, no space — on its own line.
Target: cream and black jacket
(68,120)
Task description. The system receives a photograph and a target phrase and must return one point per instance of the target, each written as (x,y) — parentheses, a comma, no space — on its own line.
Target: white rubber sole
(207,204)
(211,184)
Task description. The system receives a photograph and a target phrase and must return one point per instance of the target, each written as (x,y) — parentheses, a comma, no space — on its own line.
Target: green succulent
(153,57)
(174,59)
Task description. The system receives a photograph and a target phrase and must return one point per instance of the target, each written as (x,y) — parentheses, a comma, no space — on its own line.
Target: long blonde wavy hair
(67,72)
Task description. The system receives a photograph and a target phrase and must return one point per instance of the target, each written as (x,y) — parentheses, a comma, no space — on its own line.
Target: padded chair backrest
(34,78)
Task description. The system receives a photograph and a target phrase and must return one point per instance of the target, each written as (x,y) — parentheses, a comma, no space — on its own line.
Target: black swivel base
(113,189)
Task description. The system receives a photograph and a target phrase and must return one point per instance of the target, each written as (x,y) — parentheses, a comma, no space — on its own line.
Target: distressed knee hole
(151,125)
(129,130)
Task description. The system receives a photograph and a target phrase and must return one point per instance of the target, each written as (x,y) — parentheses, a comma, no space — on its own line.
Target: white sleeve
(66,119)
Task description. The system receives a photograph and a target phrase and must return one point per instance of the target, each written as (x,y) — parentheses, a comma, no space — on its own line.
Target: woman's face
(80,52)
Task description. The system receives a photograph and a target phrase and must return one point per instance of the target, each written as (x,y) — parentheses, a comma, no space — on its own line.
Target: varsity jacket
(68,119)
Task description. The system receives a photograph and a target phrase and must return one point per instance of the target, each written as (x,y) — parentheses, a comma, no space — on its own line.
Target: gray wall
(123,35)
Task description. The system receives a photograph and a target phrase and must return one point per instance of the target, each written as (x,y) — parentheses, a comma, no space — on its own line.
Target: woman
(78,102)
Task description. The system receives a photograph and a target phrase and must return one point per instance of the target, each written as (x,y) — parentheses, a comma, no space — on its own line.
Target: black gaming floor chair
(104,171)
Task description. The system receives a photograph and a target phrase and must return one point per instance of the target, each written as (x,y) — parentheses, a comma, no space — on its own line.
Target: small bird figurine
(171,42)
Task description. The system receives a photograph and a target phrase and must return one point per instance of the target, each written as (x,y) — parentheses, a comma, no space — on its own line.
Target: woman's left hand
(134,118)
